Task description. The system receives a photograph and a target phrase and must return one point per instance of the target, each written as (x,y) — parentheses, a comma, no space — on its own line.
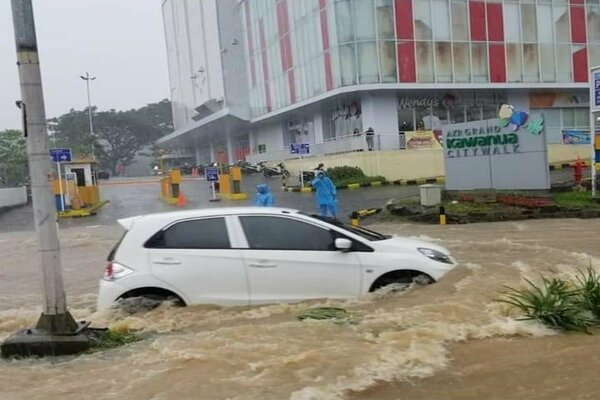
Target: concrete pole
(55,317)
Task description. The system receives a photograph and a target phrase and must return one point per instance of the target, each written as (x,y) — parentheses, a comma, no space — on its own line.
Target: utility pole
(87,78)
(56,331)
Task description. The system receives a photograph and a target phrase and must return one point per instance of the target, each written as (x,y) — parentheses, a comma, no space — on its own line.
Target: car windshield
(357,230)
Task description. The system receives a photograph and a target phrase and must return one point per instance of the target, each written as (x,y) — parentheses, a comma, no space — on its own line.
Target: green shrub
(587,283)
(345,172)
(556,303)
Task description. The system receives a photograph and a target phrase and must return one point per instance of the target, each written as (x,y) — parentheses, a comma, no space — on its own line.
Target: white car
(247,256)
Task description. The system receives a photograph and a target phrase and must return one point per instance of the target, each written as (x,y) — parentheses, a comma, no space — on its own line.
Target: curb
(297,189)
(420,181)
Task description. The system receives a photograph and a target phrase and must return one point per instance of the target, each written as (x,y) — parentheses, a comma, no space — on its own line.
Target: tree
(13,158)
(118,135)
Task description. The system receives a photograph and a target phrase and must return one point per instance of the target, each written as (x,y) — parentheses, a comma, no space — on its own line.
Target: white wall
(270,135)
(13,197)
(380,112)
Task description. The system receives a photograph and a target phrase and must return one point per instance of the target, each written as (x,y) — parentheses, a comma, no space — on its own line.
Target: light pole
(87,78)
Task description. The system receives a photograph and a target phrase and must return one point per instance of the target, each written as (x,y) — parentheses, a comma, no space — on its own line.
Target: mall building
(250,77)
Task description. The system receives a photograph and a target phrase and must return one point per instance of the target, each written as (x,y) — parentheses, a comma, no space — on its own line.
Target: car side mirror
(343,244)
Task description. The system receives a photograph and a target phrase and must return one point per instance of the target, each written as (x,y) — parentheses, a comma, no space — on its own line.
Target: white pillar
(230,150)
(380,112)
(197,153)
(213,156)
(318,127)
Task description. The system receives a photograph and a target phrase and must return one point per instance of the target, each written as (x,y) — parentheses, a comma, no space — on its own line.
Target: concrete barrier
(10,197)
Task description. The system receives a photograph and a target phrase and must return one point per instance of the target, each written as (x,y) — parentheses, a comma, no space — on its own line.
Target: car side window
(207,233)
(280,233)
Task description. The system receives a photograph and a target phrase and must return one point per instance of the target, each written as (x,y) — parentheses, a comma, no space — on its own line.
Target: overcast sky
(121,42)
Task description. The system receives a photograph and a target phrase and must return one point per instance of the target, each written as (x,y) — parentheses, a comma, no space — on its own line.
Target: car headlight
(435,255)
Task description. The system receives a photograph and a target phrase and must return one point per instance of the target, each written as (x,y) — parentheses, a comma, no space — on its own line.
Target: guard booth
(76,189)
(230,181)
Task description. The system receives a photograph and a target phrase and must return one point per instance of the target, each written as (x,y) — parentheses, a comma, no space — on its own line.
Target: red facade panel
(477,19)
(580,66)
(495,22)
(265,66)
(285,45)
(325,41)
(406,62)
(578,24)
(404,19)
(497,62)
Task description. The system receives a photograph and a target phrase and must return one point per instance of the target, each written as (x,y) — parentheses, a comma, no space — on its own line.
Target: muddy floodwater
(449,340)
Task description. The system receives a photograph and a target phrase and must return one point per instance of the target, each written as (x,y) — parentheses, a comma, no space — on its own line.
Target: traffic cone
(181,200)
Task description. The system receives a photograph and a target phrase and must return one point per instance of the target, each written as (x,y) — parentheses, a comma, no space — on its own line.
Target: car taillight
(108,271)
(115,270)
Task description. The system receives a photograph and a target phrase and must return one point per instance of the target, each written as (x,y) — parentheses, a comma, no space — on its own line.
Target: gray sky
(121,42)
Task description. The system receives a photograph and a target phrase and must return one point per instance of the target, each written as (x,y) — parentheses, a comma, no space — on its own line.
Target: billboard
(418,140)
(508,152)
(576,137)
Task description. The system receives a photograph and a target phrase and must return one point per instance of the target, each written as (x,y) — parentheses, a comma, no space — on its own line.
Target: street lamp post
(87,78)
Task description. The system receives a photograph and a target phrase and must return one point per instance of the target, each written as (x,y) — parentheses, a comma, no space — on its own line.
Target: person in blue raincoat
(326,194)
(263,198)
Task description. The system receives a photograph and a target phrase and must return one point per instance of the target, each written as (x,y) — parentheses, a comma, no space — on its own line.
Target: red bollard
(578,166)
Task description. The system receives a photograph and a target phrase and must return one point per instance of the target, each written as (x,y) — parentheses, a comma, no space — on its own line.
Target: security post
(230,184)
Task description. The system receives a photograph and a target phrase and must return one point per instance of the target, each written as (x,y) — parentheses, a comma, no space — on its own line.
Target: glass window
(561,24)
(343,13)
(594,54)
(529,22)
(345,64)
(439,117)
(563,63)
(457,115)
(387,60)
(422,18)
(460,24)
(593,24)
(512,26)
(547,62)
(424,61)
(531,62)
(367,63)
(385,19)
(480,62)
(544,29)
(473,113)
(582,118)
(364,20)
(514,63)
(462,62)
(280,233)
(209,233)
(405,119)
(443,62)
(423,115)
(568,117)
(489,112)
(441,22)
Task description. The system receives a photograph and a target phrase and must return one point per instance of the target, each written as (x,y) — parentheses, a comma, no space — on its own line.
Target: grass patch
(575,200)
(465,207)
(571,305)
(110,339)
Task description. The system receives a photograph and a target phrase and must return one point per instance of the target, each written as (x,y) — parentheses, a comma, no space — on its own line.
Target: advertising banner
(419,140)
(595,90)
(576,137)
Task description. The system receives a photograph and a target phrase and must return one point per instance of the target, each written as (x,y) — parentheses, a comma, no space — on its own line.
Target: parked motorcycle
(248,167)
(279,169)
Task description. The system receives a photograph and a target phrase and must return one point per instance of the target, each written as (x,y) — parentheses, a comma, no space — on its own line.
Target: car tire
(404,278)
(134,303)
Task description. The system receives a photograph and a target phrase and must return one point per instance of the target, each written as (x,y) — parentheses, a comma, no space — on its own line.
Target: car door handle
(167,262)
(262,265)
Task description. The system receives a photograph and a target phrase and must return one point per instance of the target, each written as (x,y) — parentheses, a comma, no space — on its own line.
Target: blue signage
(299,148)
(596,89)
(212,174)
(60,155)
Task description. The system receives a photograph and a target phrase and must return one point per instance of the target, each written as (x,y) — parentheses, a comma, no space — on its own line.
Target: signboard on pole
(60,155)
(300,149)
(595,88)
(212,174)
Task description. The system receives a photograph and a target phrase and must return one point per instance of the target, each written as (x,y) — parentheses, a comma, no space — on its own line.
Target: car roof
(127,223)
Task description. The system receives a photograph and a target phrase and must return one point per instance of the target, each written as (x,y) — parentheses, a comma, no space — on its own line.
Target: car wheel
(141,302)
(401,279)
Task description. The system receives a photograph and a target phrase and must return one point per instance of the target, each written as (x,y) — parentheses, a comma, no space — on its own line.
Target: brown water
(449,340)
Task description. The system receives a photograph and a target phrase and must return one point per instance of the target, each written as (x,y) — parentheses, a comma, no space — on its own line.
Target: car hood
(397,243)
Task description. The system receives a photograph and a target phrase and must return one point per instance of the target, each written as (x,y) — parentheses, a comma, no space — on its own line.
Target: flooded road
(449,340)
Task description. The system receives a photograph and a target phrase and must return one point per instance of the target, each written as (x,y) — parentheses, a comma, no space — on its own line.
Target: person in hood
(326,194)
(263,198)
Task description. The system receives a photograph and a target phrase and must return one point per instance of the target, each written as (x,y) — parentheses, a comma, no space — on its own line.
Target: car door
(195,256)
(289,259)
